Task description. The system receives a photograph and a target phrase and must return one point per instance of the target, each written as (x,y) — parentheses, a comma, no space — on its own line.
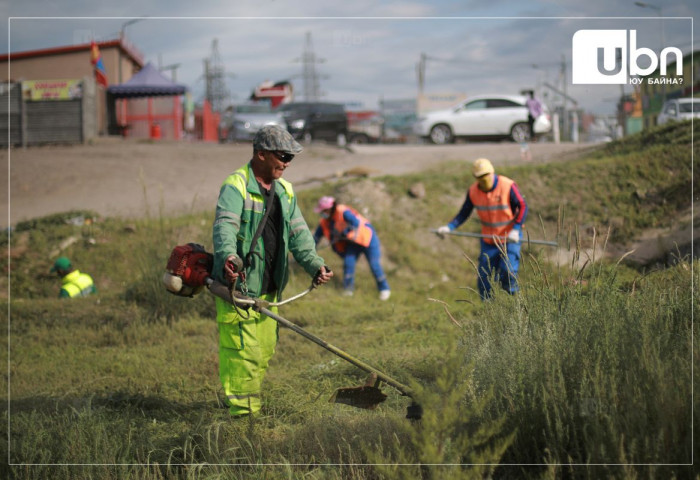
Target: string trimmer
(189,270)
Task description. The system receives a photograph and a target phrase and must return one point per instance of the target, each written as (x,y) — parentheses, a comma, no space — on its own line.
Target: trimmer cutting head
(369,396)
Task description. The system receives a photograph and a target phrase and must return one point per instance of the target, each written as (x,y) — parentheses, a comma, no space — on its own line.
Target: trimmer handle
(315,282)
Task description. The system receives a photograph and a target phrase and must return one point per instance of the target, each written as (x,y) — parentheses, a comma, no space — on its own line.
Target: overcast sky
(369,48)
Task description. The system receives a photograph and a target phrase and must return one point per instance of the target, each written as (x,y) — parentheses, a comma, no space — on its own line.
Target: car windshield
(687,107)
(261,108)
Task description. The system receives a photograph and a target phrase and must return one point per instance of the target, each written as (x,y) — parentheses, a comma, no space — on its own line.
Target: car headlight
(298,124)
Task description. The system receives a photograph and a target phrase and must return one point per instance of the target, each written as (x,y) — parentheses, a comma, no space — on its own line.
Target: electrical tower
(216,92)
(312,88)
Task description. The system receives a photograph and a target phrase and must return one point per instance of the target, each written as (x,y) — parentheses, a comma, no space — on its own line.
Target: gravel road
(130,179)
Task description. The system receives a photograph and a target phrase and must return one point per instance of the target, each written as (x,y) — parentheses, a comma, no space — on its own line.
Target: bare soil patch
(130,179)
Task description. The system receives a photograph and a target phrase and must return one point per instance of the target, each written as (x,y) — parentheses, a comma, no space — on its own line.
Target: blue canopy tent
(148,105)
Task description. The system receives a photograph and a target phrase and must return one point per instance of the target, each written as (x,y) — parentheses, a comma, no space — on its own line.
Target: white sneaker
(348,293)
(384,295)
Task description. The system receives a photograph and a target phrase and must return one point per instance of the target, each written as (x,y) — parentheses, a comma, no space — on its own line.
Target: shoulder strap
(249,256)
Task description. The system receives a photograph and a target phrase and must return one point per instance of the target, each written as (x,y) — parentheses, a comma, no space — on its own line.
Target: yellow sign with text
(52,89)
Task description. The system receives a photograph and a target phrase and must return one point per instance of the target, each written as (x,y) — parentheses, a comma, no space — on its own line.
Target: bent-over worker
(74,283)
(351,235)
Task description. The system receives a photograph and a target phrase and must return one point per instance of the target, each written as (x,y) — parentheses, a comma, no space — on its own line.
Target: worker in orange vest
(350,235)
(502,211)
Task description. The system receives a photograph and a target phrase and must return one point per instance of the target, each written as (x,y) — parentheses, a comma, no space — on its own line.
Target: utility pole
(565,113)
(173,68)
(420,70)
(660,12)
(214,75)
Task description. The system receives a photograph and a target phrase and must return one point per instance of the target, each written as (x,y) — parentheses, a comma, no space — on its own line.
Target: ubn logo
(601,57)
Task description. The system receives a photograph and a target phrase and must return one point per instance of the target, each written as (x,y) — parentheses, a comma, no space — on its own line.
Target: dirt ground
(129,179)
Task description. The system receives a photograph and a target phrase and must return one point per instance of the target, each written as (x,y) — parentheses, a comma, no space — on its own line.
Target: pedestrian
(74,283)
(351,235)
(257,223)
(502,211)
(534,110)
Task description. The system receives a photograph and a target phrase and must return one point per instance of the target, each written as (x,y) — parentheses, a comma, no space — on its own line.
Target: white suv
(500,116)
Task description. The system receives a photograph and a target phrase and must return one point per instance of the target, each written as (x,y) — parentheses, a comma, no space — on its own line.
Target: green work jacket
(76,284)
(239,210)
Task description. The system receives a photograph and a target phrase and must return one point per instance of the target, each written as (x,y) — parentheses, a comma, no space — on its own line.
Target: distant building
(121,61)
(655,87)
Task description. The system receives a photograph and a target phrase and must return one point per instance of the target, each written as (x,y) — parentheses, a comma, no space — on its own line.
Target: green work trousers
(245,348)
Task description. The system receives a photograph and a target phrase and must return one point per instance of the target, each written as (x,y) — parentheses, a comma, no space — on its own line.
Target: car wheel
(441,134)
(359,139)
(520,132)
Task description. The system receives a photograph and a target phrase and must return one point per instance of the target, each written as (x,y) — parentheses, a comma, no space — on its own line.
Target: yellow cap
(481,167)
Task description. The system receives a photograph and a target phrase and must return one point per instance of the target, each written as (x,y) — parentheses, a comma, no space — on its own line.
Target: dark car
(309,121)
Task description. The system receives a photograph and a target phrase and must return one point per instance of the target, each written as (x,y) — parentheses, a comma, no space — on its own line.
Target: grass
(585,374)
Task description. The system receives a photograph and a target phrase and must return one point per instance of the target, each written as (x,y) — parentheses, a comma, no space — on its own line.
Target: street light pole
(121,41)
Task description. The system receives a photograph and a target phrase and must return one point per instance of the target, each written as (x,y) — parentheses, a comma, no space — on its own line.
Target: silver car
(482,116)
(241,122)
(679,109)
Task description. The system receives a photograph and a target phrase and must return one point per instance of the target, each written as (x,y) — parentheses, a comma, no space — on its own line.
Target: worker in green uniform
(257,223)
(74,283)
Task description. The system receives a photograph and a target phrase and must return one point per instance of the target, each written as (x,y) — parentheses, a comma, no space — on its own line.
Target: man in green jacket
(73,282)
(257,224)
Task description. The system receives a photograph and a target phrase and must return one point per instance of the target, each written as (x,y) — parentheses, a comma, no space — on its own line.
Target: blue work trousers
(504,268)
(373,254)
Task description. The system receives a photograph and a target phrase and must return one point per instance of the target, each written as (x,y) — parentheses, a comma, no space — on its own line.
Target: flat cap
(273,138)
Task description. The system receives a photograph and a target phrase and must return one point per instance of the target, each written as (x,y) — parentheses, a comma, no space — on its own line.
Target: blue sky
(369,48)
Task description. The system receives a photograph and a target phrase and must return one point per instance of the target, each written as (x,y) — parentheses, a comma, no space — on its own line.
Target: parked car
(482,116)
(679,109)
(241,122)
(309,121)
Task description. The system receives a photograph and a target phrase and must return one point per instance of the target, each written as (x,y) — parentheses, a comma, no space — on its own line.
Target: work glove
(443,230)
(323,275)
(233,267)
(513,236)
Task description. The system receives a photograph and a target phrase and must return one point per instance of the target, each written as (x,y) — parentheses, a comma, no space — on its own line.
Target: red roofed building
(121,61)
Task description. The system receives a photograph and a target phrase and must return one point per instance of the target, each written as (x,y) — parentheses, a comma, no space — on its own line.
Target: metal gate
(68,118)
(54,122)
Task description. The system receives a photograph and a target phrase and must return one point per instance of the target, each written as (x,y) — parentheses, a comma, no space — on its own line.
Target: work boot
(384,295)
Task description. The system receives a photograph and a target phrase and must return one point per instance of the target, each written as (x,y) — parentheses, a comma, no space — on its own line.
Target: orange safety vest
(361,235)
(493,208)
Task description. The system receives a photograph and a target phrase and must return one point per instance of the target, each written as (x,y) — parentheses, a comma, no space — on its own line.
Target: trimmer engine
(187,270)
